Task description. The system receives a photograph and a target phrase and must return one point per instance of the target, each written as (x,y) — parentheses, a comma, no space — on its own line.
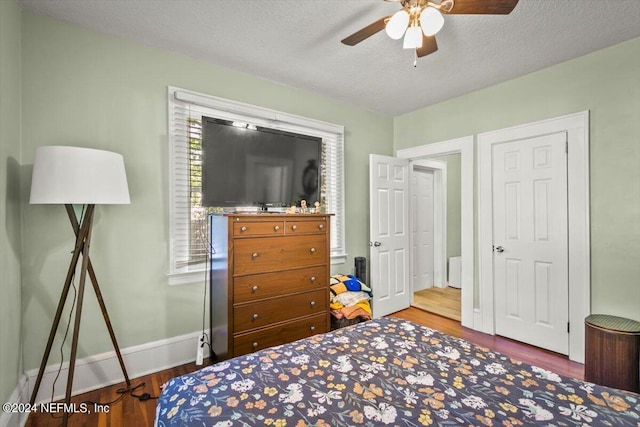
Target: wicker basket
(341,323)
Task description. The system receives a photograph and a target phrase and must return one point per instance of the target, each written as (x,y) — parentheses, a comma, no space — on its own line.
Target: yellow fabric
(339,288)
(365,306)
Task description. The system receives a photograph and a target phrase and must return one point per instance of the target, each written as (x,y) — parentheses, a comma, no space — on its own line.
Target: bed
(387,372)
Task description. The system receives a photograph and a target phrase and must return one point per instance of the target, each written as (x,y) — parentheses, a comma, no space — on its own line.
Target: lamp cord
(64,339)
(208,341)
(73,305)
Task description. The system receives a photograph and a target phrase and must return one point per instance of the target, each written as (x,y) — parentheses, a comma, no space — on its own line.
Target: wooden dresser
(269,280)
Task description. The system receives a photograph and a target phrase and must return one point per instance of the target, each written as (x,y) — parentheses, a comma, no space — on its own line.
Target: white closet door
(422,223)
(530,241)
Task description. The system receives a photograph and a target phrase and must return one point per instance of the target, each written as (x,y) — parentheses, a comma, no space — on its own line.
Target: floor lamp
(78,176)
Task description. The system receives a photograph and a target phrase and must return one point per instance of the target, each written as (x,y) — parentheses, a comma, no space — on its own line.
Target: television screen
(247,165)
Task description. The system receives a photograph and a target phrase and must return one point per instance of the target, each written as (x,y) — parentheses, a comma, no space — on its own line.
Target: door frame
(577,128)
(463,146)
(439,170)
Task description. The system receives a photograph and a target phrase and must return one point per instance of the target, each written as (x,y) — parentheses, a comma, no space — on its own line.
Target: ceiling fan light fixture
(397,25)
(420,20)
(412,38)
(431,21)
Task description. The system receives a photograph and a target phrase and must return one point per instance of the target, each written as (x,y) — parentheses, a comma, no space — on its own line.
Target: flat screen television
(247,165)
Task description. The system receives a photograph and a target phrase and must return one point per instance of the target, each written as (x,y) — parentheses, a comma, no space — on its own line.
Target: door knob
(499,249)
(376,244)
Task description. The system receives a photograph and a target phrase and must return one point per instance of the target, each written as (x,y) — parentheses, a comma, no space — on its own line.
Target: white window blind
(188,245)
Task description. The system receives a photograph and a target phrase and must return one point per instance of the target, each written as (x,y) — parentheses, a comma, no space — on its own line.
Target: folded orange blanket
(362,309)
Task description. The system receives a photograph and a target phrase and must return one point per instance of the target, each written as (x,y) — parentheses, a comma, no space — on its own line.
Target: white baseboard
(19,395)
(101,370)
(477,321)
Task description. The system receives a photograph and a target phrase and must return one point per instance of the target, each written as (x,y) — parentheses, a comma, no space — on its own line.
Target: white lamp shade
(431,21)
(397,24)
(413,38)
(75,175)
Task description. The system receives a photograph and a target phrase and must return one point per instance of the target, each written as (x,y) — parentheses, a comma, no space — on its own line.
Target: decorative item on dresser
(269,280)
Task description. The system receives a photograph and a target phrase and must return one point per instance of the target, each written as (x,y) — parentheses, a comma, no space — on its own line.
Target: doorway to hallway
(445,302)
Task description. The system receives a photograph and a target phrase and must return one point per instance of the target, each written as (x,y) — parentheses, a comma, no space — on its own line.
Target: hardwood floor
(441,301)
(130,411)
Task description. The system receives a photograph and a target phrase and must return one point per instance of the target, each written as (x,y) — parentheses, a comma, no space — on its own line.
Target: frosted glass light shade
(75,175)
(413,38)
(397,24)
(431,21)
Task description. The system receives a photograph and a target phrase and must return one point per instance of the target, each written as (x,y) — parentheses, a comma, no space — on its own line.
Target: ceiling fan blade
(429,45)
(366,32)
(485,7)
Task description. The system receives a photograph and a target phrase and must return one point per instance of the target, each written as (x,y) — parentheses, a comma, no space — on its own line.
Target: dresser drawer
(258,228)
(306,227)
(280,334)
(268,254)
(262,313)
(267,285)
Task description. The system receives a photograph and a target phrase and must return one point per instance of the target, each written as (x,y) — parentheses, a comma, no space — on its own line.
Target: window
(188,230)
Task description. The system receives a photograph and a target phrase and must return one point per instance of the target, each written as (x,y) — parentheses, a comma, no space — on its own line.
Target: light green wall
(89,89)
(454,192)
(607,83)
(10,226)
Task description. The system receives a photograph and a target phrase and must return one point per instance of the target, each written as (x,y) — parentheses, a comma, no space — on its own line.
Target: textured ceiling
(297,42)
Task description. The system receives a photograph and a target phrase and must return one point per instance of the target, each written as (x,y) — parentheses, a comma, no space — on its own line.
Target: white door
(389,234)
(422,219)
(531,280)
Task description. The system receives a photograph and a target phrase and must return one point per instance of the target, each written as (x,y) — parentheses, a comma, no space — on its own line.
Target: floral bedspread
(387,372)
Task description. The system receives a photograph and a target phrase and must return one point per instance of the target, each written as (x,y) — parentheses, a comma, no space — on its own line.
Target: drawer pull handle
(255,317)
(243,228)
(254,255)
(312,250)
(320,226)
(294,227)
(312,279)
(276,228)
(313,328)
(254,345)
(312,303)
(254,288)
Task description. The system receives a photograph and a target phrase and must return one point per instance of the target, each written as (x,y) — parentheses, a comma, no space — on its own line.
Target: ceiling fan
(420,20)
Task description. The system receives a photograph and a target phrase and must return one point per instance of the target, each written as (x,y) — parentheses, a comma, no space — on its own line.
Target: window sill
(338,258)
(187,278)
